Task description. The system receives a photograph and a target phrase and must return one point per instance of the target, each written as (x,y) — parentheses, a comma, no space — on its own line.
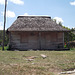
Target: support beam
(63,39)
(9,38)
(68,40)
(40,40)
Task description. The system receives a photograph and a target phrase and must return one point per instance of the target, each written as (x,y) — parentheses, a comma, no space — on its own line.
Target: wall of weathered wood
(36,40)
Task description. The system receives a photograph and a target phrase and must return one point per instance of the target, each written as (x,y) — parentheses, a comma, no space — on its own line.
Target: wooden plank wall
(32,40)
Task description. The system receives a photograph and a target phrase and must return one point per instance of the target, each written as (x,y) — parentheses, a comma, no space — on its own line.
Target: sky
(61,10)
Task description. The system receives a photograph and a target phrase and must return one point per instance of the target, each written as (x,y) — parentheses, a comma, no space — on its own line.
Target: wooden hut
(36,32)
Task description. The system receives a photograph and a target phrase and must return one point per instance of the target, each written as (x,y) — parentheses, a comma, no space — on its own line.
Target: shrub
(72,44)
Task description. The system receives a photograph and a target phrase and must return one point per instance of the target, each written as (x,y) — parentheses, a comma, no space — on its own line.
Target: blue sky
(61,10)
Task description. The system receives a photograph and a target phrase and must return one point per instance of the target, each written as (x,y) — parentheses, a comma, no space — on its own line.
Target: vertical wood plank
(68,40)
(9,38)
(40,40)
(63,39)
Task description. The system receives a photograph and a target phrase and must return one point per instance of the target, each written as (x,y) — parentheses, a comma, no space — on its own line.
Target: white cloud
(20,2)
(1,26)
(9,14)
(2,2)
(58,19)
(72,3)
(25,14)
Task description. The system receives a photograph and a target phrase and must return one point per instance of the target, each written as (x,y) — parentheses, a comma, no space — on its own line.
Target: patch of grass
(72,49)
(15,63)
(5,48)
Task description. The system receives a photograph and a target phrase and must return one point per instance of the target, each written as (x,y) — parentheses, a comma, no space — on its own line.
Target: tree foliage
(69,35)
(1,38)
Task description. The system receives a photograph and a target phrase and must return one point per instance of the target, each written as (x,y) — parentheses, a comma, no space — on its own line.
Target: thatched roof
(35,23)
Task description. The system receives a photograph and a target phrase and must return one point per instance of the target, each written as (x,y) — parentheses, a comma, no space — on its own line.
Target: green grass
(15,63)
(5,47)
(72,49)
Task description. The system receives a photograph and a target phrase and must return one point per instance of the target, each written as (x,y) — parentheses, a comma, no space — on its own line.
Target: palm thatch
(35,23)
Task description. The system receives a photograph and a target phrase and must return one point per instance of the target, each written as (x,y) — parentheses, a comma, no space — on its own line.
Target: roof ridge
(34,17)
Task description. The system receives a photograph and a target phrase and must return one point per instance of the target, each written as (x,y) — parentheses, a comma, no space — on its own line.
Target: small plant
(5,48)
(65,45)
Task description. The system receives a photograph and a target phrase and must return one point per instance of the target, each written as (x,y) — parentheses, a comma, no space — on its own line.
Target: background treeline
(69,37)
(1,38)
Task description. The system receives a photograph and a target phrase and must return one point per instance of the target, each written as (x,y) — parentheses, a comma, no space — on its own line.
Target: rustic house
(36,32)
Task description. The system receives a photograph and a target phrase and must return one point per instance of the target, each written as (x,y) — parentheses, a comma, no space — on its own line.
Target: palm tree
(4,24)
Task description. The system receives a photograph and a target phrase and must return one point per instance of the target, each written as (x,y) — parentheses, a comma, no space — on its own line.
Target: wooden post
(63,39)
(4,24)
(40,40)
(9,38)
(68,40)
